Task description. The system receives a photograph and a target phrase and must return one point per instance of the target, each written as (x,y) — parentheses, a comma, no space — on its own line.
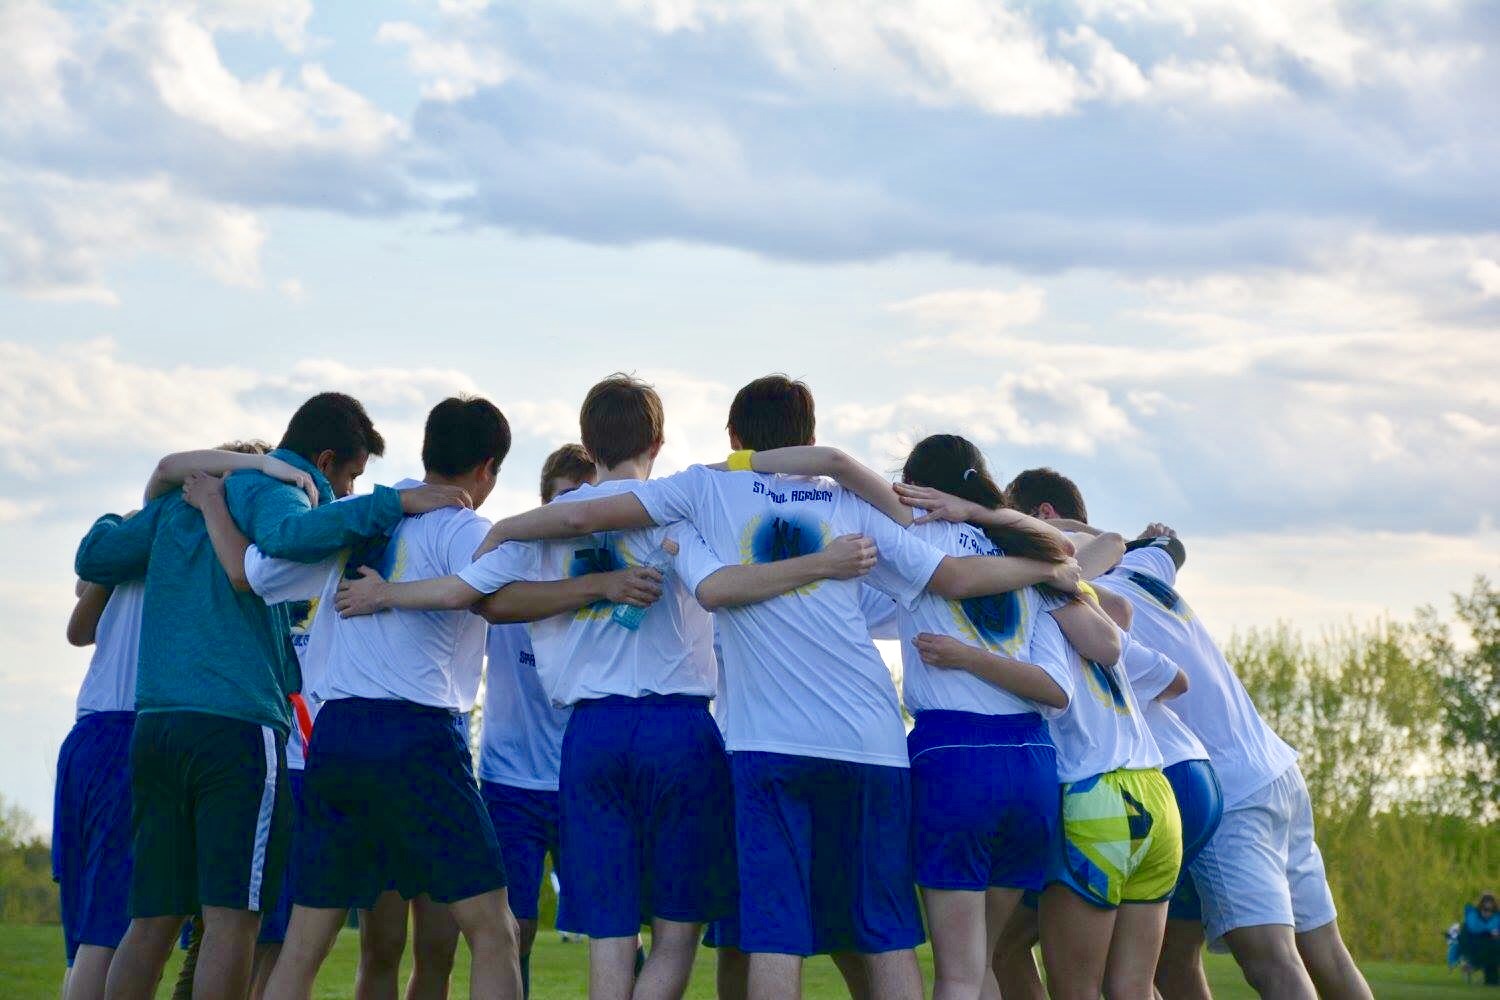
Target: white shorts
(1263,866)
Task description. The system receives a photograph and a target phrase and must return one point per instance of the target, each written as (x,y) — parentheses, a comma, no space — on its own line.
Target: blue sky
(1232,266)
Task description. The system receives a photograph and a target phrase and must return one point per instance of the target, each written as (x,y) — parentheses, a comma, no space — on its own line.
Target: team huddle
(683,707)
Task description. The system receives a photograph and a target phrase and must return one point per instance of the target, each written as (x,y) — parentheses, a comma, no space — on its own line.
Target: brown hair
(621,418)
(570,461)
(250,447)
(773,412)
(1034,487)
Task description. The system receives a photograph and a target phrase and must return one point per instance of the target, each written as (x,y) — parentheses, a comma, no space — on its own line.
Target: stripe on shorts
(263,820)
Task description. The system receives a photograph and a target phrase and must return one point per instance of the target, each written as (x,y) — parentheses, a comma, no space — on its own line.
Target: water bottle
(629,615)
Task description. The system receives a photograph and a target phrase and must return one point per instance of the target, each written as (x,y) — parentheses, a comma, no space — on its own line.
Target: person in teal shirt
(210,799)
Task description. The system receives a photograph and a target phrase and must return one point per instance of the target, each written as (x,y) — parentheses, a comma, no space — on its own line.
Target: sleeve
(695,561)
(1050,651)
(276,581)
(881,615)
(673,498)
(903,562)
(465,539)
(1153,561)
(510,563)
(278,518)
(1148,671)
(1173,547)
(118,549)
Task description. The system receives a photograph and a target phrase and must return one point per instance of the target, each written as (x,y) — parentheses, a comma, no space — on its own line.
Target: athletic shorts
(525,821)
(211,814)
(273,925)
(1121,838)
(1263,865)
(390,802)
(1200,802)
(91,831)
(645,815)
(984,800)
(824,855)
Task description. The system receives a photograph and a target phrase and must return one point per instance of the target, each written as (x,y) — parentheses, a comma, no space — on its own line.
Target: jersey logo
(597,554)
(995,621)
(770,538)
(1161,592)
(1104,682)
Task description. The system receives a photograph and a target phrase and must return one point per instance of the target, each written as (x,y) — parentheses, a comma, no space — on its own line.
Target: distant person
(1479,938)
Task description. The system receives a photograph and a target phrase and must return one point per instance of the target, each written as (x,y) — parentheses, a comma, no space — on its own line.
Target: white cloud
(35,43)
(981,308)
(1485,273)
(450,68)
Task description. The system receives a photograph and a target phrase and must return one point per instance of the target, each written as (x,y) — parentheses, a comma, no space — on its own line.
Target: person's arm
(118,549)
(733,585)
(206,493)
(568,520)
(1076,527)
(1152,674)
(940,506)
(83,623)
(1025,680)
(282,524)
(853,475)
(174,470)
(1100,554)
(1159,536)
(517,601)
(1178,686)
(1119,609)
(961,577)
(1089,630)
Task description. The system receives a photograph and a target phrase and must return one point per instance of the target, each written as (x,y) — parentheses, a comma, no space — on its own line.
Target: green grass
(31,969)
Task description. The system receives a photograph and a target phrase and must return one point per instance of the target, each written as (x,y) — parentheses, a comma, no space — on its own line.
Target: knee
(434,953)
(381,948)
(495,931)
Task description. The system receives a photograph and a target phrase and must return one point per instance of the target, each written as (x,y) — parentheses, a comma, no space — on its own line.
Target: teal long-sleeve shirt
(206,647)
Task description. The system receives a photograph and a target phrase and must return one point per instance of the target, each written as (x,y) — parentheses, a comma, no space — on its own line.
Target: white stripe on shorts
(263,820)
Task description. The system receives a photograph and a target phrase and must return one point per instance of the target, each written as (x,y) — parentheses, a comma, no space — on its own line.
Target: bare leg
(611,968)
(90,970)
(1179,971)
(228,953)
(1267,954)
(1075,944)
(1015,965)
(733,975)
(1134,949)
(670,965)
(309,938)
(775,976)
(382,942)
(141,957)
(895,975)
(999,906)
(434,942)
(851,966)
(960,961)
(490,930)
(1330,965)
(260,971)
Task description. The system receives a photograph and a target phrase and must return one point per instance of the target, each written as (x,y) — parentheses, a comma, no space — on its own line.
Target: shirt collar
(325,490)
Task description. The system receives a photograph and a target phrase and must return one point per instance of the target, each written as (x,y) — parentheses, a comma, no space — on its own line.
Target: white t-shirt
(1247,755)
(1149,674)
(109,684)
(802,674)
(427,657)
(521,744)
(278,581)
(1000,623)
(1101,730)
(584,654)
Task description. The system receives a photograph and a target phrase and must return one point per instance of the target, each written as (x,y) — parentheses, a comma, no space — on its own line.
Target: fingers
(310,488)
(670,547)
(925,518)
(366,573)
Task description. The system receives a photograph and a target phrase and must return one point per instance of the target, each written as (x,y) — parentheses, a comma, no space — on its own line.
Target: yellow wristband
(1086,588)
(739,461)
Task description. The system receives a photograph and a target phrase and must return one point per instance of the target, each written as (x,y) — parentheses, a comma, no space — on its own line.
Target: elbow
(1117,607)
(1106,648)
(1055,698)
(80,636)
(1114,543)
(241,583)
(710,598)
(946,581)
(1176,689)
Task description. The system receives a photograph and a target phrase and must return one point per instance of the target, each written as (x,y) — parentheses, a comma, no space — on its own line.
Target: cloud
(451,68)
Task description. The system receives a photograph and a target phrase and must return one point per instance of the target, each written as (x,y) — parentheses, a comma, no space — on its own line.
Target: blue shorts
(645,814)
(1201,803)
(525,821)
(389,801)
(91,834)
(824,855)
(984,800)
(274,921)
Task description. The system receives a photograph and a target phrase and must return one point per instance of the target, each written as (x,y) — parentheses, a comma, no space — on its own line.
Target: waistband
(644,701)
(111,718)
(393,706)
(944,728)
(1020,722)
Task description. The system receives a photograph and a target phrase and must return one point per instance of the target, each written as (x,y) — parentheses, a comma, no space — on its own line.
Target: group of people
(684,707)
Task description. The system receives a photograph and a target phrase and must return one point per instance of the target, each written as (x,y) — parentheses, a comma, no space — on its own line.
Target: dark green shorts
(211,814)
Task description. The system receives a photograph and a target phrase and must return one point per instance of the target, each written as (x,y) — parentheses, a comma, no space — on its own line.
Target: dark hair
(570,461)
(251,446)
(955,465)
(463,432)
(1034,487)
(773,412)
(332,421)
(621,418)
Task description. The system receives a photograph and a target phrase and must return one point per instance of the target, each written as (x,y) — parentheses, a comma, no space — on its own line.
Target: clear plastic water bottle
(629,615)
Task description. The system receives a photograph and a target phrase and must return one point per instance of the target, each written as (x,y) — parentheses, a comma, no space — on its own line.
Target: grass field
(31,969)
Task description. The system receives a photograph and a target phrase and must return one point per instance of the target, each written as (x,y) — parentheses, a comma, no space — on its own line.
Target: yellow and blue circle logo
(995,621)
(1105,684)
(771,538)
(597,554)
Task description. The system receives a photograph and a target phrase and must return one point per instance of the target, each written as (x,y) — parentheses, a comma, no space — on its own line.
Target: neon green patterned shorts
(1121,838)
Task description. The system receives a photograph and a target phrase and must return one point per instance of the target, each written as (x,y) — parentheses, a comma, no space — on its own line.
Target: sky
(1231,266)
